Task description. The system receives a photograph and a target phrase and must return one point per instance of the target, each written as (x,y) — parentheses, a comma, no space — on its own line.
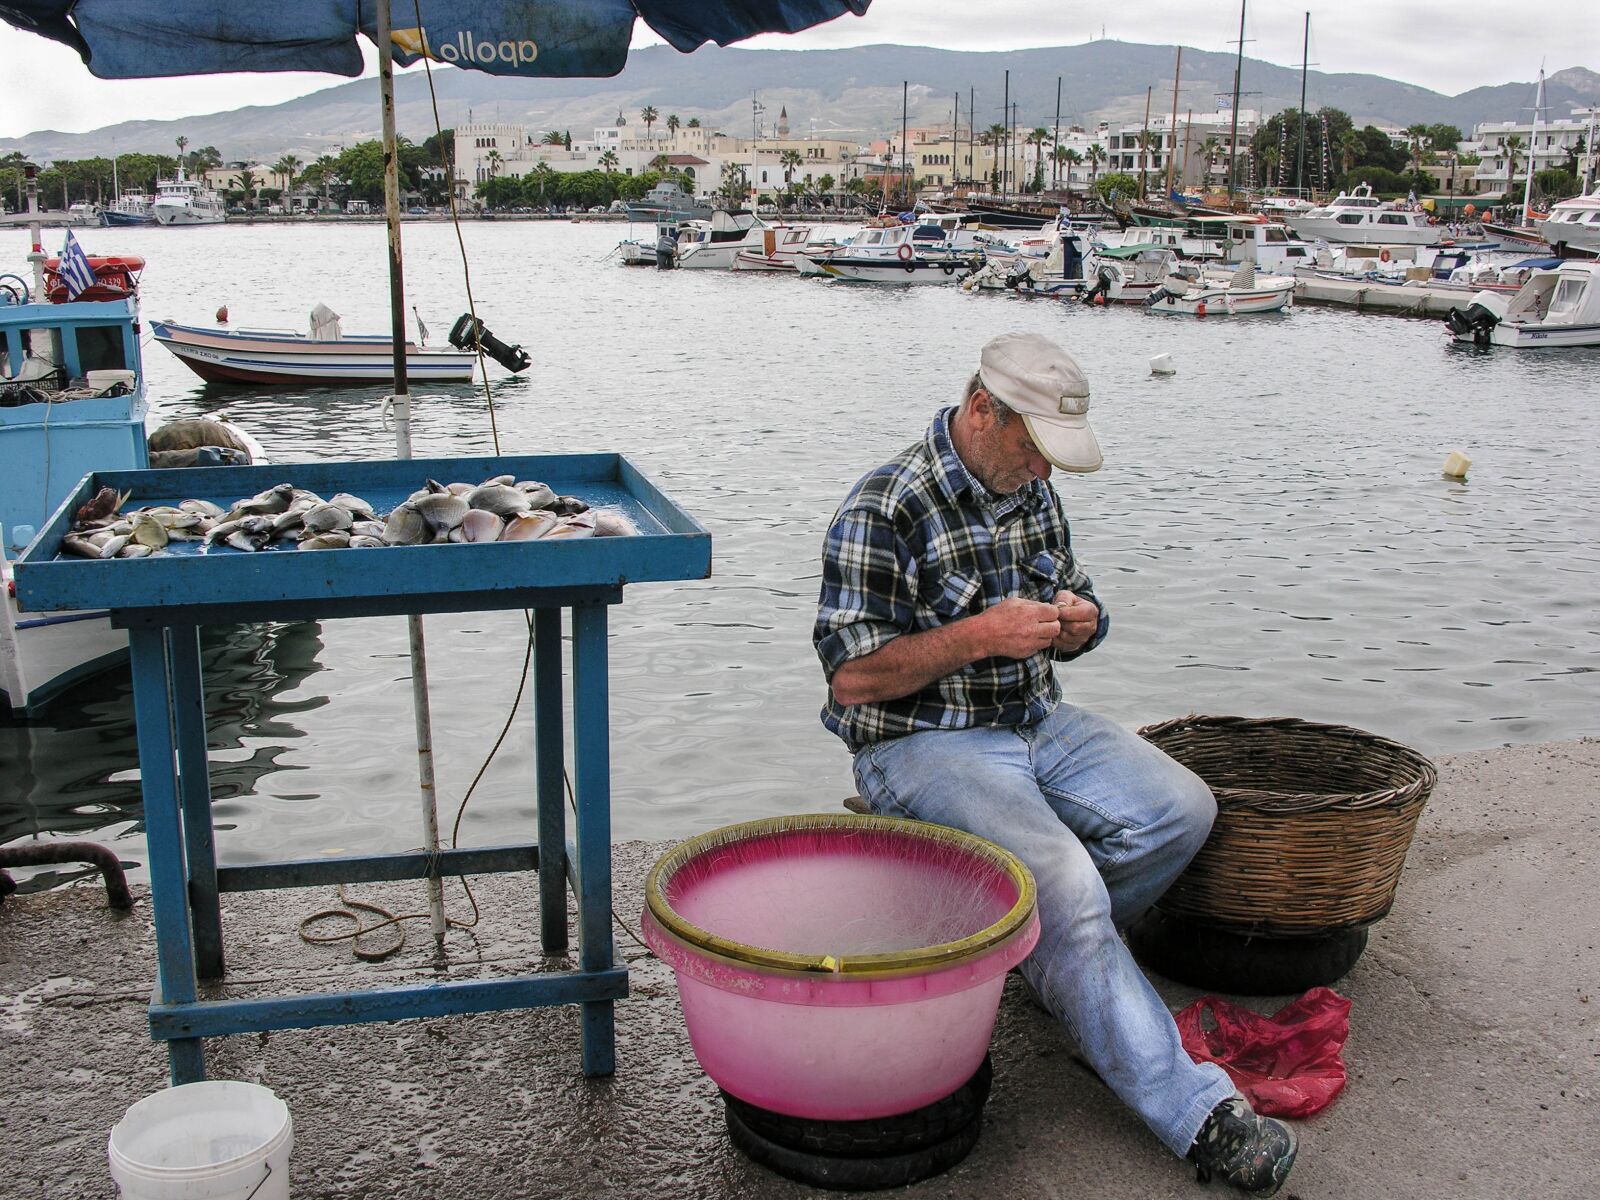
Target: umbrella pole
(402,414)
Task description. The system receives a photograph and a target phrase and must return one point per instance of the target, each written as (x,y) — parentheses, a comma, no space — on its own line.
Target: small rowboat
(1243,293)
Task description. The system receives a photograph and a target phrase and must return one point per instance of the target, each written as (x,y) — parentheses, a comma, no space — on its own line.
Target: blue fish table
(162,600)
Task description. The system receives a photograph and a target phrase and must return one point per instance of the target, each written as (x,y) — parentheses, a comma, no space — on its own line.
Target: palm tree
(541,173)
(494,158)
(1208,152)
(1036,138)
(286,168)
(734,184)
(1351,148)
(247,183)
(1418,135)
(608,161)
(694,123)
(789,160)
(1513,144)
(552,137)
(672,124)
(182,142)
(648,116)
(1097,155)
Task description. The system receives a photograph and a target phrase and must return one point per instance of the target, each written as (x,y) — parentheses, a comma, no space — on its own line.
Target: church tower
(783,122)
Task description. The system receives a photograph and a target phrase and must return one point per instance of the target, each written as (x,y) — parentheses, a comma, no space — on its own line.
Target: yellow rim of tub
(900,962)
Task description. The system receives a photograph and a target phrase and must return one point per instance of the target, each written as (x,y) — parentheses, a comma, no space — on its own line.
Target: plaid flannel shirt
(918,543)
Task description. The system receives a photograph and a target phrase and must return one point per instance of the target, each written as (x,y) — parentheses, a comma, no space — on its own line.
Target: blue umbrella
(129,39)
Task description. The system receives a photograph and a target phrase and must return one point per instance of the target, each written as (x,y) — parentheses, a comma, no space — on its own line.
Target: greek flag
(74,270)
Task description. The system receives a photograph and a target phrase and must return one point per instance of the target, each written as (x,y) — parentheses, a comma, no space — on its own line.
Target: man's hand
(1018,628)
(1077,619)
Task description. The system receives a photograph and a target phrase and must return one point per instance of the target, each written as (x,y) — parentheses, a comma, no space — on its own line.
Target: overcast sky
(1446,45)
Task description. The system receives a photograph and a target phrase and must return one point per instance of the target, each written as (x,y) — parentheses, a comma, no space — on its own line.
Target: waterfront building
(1553,146)
(1201,142)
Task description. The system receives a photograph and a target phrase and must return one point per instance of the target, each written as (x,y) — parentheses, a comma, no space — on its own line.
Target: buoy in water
(1455,466)
(222,315)
(1161,364)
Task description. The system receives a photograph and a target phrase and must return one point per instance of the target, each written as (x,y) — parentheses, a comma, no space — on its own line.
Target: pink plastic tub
(840,967)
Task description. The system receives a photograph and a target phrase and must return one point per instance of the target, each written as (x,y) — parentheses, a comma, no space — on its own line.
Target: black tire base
(855,1174)
(900,1133)
(1220,960)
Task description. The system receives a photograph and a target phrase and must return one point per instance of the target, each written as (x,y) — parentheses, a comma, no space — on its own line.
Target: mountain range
(852,93)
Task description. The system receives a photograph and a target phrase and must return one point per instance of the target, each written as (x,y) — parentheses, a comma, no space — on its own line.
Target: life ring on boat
(949,268)
(905,252)
(1383,256)
(116,277)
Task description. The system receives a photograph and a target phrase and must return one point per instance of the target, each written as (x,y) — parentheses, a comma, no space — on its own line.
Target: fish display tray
(221,585)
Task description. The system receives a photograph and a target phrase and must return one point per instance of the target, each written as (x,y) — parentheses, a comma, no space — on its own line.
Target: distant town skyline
(1436,44)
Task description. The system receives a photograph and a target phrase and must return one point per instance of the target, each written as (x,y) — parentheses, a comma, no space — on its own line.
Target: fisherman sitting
(949,591)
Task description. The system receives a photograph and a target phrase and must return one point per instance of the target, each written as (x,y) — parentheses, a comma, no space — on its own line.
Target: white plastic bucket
(218,1140)
(99,381)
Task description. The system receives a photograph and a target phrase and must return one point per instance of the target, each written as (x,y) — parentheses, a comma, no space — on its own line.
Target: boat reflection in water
(75,774)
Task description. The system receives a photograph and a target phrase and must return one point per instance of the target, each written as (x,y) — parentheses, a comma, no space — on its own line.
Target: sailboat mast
(1005,136)
(1233,136)
(905,109)
(1305,61)
(1144,148)
(1055,142)
(1533,142)
(1172,151)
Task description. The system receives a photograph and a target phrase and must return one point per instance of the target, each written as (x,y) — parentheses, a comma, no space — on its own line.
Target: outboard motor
(1476,321)
(468,333)
(1100,287)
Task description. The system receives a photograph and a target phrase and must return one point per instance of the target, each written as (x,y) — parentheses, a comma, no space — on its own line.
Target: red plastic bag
(1287,1064)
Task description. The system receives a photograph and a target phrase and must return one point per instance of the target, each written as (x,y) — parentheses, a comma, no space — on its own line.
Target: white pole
(402,412)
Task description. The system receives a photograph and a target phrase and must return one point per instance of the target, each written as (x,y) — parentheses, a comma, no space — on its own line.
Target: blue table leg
(169,898)
(194,796)
(592,828)
(549,764)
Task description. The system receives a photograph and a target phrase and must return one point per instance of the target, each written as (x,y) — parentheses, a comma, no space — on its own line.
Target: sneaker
(1251,1152)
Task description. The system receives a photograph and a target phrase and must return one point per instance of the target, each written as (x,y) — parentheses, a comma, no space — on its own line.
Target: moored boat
(325,355)
(1242,292)
(130,208)
(1573,225)
(184,201)
(1556,307)
(1359,216)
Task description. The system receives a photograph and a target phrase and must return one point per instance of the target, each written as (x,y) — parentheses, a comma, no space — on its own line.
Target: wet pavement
(1474,1052)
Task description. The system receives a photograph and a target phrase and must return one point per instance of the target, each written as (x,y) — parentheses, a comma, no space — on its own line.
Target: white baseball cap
(1042,383)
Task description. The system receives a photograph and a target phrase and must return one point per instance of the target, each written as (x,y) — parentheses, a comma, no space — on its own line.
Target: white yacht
(185,201)
(1361,217)
(1574,224)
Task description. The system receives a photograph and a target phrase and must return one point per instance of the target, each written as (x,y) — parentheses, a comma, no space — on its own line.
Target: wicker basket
(1312,828)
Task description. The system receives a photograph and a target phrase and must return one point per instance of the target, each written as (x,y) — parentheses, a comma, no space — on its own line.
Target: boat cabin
(1569,295)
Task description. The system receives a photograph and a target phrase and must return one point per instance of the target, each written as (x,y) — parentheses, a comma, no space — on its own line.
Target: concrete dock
(1474,1052)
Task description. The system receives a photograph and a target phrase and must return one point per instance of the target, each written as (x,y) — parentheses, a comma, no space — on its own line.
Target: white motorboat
(921,253)
(83,212)
(1212,296)
(714,245)
(1126,274)
(1556,307)
(1359,216)
(185,201)
(326,355)
(783,247)
(1574,224)
(1059,274)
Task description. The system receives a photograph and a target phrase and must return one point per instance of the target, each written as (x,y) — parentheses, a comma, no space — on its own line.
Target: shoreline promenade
(1474,1052)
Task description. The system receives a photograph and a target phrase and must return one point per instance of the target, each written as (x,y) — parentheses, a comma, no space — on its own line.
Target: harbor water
(1271,532)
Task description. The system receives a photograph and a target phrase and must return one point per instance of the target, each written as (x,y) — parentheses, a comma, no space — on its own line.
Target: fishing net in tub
(840,967)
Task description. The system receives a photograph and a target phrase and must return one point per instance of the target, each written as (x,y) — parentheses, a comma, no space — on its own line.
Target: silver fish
(443,512)
(498,499)
(358,508)
(325,518)
(148,531)
(268,503)
(362,541)
(113,546)
(243,539)
(332,540)
(79,546)
(613,522)
(135,550)
(573,525)
(539,496)
(407,527)
(525,527)
(479,525)
(203,508)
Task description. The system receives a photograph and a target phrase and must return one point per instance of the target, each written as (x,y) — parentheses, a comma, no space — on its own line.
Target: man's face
(1003,457)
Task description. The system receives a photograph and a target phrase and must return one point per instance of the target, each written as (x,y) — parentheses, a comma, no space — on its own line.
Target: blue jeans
(1105,822)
